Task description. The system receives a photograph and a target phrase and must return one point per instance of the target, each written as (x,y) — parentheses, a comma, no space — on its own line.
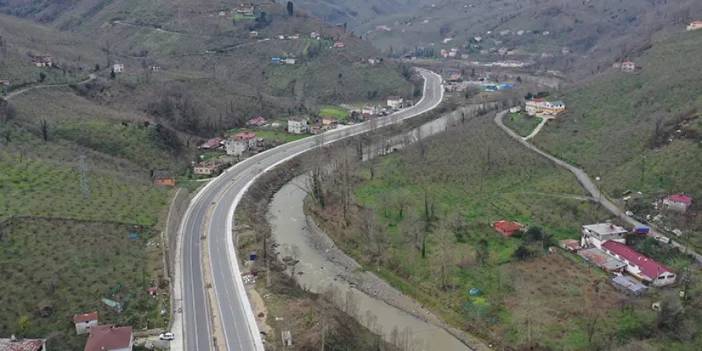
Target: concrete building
(297,126)
(395,102)
(678,202)
(118,67)
(84,321)
(543,108)
(694,25)
(596,234)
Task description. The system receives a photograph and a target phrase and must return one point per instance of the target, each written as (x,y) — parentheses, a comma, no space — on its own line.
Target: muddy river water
(322,268)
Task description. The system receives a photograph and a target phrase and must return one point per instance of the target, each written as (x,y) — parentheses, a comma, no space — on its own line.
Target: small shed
(629,285)
(601,259)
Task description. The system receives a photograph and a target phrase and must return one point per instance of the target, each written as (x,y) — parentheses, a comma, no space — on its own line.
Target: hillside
(207,58)
(564,35)
(642,131)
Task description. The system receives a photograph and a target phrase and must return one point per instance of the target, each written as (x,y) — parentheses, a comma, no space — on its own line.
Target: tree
(113,75)
(482,252)
(44,126)
(290,8)
(23,324)
(42,77)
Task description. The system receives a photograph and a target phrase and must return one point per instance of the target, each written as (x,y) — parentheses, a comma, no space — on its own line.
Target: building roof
(21,344)
(85,317)
(212,143)
(507,227)
(648,266)
(629,284)
(605,228)
(162,175)
(601,259)
(244,136)
(682,198)
(108,337)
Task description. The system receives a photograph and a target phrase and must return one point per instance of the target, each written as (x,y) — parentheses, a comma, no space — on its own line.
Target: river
(324,269)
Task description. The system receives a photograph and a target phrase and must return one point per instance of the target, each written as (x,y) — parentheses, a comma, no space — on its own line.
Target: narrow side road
(16,93)
(590,186)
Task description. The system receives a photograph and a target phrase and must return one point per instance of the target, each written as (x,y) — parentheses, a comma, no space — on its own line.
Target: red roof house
(256,121)
(678,202)
(640,265)
(13,344)
(507,228)
(109,337)
(211,144)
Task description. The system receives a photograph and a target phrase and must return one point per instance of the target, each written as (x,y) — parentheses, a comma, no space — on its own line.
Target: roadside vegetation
(421,219)
(640,131)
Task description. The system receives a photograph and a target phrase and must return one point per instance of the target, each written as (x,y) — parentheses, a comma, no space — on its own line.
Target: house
(543,108)
(276,60)
(155,68)
(245,9)
(257,121)
(639,265)
(628,66)
(570,245)
(315,36)
(289,61)
(15,344)
(374,61)
(515,109)
(163,178)
(444,53)
(84,321)
(253,34)
(110,338)
(118,67)
(601,259)
(694,25)
(596,234)
(208,168)
(328,121)
(395,102)
(507,228)
(248,137)
(455,77)
(43,61)
(339,45)
(211,144)
(297,126)
(678,202)
(236,147)
(5,82)
(370,110)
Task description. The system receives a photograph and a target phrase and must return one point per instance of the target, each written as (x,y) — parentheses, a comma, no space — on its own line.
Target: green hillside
(642,131)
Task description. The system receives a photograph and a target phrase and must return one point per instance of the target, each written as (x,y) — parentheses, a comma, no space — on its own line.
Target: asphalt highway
(210,214)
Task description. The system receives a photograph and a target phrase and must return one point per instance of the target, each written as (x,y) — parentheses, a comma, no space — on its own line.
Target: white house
(118,67)
(289,61)
(370,110)
(596,234)
(694,25)
(543,108)
(678,202)
(297,126)
(110,338)
(84,321)
(235,147)
(395,102)
(638,265)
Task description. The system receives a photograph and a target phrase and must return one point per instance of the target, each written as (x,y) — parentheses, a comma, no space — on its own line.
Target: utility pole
(83,169)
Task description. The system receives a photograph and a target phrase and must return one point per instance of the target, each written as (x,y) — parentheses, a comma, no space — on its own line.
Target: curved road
(211,214)
(16,93)
(590,187)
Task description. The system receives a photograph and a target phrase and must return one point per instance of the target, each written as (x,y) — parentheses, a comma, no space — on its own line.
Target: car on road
(166,336)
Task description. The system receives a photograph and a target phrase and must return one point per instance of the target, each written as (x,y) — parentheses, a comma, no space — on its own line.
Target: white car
(166,336)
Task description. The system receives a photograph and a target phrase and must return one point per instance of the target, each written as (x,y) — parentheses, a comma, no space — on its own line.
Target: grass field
(521,123)
(471,176)
(81,262)
(336,112)
(611,127)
